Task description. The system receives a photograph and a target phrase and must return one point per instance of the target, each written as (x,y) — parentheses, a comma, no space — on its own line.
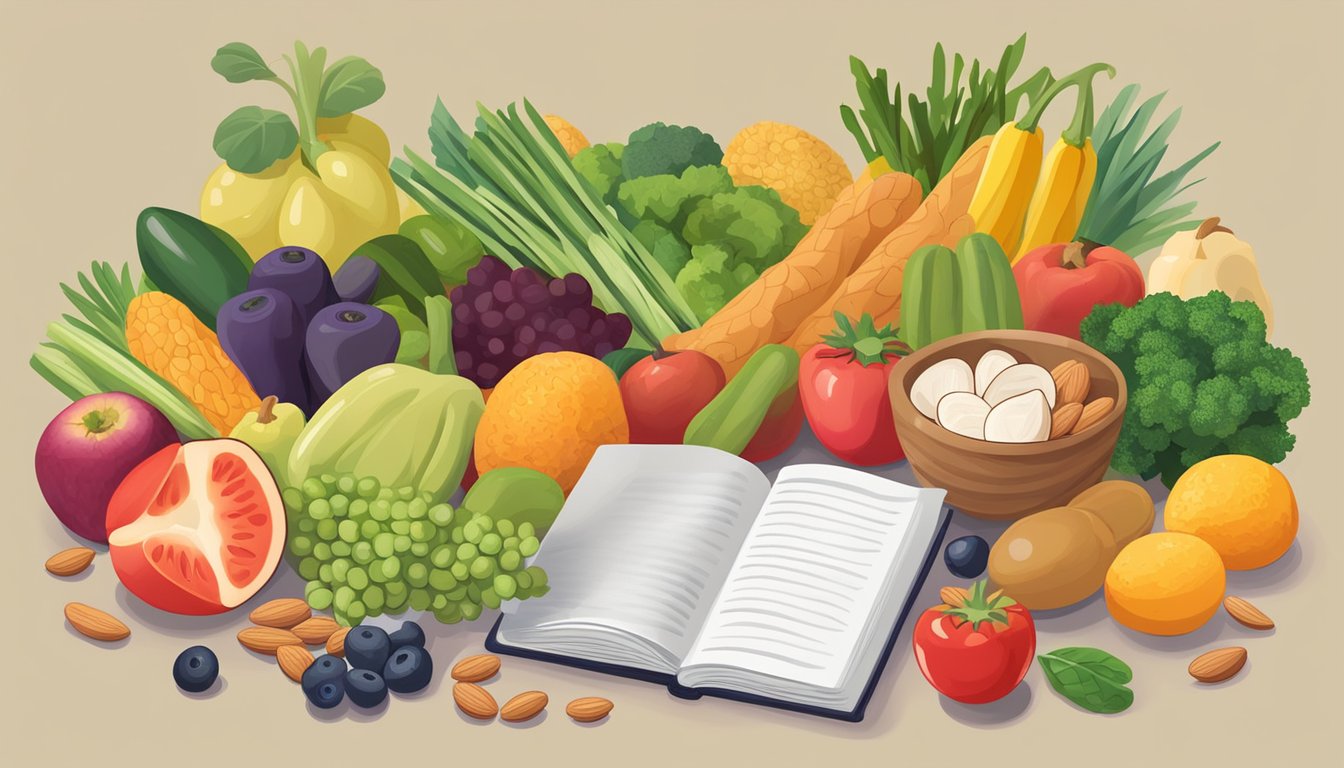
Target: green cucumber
(405,271)
(731,419)
(195,263)
(948,292)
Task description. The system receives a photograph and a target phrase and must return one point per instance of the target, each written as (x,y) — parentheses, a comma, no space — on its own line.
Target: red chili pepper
(1060,284)
(843,383)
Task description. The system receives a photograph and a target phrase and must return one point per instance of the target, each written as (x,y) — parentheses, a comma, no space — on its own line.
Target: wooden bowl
(1005,481)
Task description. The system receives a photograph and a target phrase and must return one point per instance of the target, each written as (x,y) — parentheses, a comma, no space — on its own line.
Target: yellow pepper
(325,186)
(1066,179)
(1003,195)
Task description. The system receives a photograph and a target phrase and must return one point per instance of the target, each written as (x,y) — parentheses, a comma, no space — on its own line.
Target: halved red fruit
(197,528)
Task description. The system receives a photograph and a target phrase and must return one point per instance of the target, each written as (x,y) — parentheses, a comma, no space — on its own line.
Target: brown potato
(1125,507)
(1053,558)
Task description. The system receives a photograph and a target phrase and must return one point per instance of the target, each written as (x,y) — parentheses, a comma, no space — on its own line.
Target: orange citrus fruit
(1242,506)
(1165,584)
(550,413)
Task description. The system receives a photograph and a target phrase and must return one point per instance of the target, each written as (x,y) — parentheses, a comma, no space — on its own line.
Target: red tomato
(843,383)
(197,528)
(978,652)
(1060,285)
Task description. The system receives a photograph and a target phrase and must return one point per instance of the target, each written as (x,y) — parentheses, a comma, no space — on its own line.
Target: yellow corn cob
(164,335)
(1061,195)
(1004,190)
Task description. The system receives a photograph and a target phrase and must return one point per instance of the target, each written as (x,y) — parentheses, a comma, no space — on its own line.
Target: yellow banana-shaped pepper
(324,185)
(1066,179)
(1003,194)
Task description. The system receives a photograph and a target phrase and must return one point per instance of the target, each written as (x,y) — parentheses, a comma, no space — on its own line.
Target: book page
(812,577)
(641,548)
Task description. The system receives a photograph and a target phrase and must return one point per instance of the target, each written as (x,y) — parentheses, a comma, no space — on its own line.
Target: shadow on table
(995,714)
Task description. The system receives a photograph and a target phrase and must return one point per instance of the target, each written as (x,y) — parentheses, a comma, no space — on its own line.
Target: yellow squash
(1210,258)
(324,185)
(1003,199)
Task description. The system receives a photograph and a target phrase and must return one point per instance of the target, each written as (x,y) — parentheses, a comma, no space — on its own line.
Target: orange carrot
(164,335)
(768,310)
(874,288)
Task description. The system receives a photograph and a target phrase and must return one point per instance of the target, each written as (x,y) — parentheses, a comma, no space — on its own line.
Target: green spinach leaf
(239,63)
(251,138)
(350,84)
(1089,677)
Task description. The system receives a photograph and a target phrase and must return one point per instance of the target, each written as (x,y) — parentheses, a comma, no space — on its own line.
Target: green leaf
(350,84)
(239,63)
(1089,677)
(251,139)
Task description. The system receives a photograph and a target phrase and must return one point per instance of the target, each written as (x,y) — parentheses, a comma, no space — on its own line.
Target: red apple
(88,448)
(665,390)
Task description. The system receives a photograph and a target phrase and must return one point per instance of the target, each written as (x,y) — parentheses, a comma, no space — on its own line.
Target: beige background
(110,107)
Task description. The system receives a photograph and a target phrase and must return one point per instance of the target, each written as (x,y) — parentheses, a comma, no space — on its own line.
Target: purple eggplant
(298,272)
(344,340)
(357,278)
(262,331)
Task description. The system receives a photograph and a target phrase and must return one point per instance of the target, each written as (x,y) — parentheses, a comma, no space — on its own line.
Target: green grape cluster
(366,550)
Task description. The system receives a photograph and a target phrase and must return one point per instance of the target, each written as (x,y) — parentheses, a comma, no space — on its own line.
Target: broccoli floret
(712,277)
(659,149)
(600,166)
(1202,382)
(669,199)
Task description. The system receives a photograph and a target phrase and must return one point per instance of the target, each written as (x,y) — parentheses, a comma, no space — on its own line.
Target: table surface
(110,107)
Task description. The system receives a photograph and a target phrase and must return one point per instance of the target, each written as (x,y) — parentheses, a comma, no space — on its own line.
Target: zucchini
(947,292)
(195,263)
(405,271)
(730,420)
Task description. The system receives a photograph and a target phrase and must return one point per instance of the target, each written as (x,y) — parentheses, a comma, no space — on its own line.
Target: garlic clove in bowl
(1023,418)
(963,413)
(991,364)
(939,380)
(1019,379)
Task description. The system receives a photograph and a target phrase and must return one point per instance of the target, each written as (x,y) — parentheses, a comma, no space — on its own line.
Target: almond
(474,701)
(267,640)
(474,669)
(317,630)
(294,659)
(95,624)
(1064,419)
(1072,382)
(1092,414)
(1218,665)
(1247,614)
(281,614)
(953,596)
(336,643)
(589,709)
(524,706)
(69,562)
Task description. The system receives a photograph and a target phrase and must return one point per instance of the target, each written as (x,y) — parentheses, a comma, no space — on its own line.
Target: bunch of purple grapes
(503,316)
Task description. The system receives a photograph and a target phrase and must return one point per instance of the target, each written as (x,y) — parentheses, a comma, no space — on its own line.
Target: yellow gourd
(1210,258)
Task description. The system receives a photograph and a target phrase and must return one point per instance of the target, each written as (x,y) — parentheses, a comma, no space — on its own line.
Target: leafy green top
(978,608)
(250,139)
(865,343)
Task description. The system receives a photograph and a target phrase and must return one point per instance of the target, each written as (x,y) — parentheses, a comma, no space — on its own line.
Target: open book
(683,565)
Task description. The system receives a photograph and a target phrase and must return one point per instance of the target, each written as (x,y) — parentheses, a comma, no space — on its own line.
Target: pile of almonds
(283,628)
(476,702)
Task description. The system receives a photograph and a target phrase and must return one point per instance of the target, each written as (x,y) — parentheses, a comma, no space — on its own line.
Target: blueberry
(408,669)
(367,648)
(365,688)
(967,556)
(327,694)
(409,634)
(324,669)
(196,669)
